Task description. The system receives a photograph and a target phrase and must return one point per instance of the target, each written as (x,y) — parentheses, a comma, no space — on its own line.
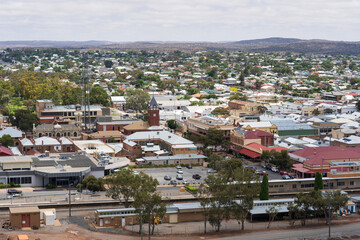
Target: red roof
(257,134)
(300,168)
(4,151)
(249,153)
(317,155)
(259,147)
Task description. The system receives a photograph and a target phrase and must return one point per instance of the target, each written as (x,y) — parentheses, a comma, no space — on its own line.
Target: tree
(327,65)
(266,156)
(172,124)
(261,109)
(203,195)
(281,160)
(214,137)
(146,200)
(137,100)
(272,212)
(328,111)
(316,112)
(122,184)
(170,84)
(264,188)
(318,184)
(23,119)
(220,202)
(92,184)
(98,95)
(108,63)
(6,140)
(220,111)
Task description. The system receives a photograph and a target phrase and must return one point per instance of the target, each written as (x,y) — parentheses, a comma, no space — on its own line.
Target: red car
(261,173)
(284,173)
(196,176)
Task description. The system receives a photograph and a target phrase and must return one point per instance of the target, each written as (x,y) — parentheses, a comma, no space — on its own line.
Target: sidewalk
(232,225)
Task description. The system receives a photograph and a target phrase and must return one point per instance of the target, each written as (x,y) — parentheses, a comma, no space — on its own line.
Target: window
(308,185)
(294,186)
(352,183)
(154,115)
(26,180)
(341,183)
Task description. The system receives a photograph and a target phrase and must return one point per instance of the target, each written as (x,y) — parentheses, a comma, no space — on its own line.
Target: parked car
(263,165)
(274,169)
(42,156)
(261,172)
(212,171)
(178,167)
(185,182)
(136,172)
(284,173)
(286,177)
(173,182)
(292,176)
(168,178)
(14,192)
(269,167)
(180,171)
(179,177)
(196,176)
(189,166)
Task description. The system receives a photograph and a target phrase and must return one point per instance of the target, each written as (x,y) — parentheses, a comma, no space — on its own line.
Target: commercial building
(200,125)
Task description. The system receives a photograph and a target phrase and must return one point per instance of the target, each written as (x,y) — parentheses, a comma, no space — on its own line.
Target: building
(94,147)
(311,111)
(153,113)
(184,159)
(118,102)
(64,130)
(46,144)
(24,217)
(200,125)
(58,170)
(14,133)
(243,138)
(265,126)
(47,112)
(4,151)
(104,136)
(333,161)
(244,108)
(292,128)
(347,142)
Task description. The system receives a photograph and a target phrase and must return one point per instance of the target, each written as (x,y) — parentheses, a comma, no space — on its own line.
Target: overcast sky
(178,20)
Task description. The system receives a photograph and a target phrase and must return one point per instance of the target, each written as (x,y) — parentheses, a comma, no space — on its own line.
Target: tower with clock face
(153,113)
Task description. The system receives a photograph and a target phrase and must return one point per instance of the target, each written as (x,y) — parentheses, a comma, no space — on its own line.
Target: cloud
(178,20)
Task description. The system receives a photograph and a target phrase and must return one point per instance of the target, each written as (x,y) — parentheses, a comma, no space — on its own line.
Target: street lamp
(70,184)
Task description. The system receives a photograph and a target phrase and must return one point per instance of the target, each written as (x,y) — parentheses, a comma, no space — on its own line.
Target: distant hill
(274,44)
(44,43)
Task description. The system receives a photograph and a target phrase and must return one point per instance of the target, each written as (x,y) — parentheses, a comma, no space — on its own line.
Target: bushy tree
(92,184)
(98,95)
(137,99)
(23,119)
(6,140)
(220,111)
(108,63)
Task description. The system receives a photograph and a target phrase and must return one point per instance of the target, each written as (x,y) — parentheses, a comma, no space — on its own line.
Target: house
(14,133)
(24,217)
(4,151)
(243,138)
(244,107)
(265,126)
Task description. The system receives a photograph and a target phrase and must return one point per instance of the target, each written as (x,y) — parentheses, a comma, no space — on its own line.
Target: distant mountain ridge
(274,44)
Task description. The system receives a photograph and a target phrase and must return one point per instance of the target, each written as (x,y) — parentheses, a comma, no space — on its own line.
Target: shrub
(50,186)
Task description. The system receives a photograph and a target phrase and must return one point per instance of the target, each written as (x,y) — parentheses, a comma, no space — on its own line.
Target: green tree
(98,95)
(281,160)
(264,188)
(220,111)
(137,99)
(23,119)
(122,184)
(92,184)
(203,195)
(327,65)
(171,124)
(272,212)
(316,112)
(318,185)
(6,140)
(220,201)
(108,63)
(170,84)
(214,137)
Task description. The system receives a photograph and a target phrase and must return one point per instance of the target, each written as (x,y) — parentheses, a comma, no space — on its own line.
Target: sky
(178,20)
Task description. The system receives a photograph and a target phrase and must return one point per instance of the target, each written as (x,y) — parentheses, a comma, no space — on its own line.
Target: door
(123,222)
(173,218)
(25,220)
(101,222)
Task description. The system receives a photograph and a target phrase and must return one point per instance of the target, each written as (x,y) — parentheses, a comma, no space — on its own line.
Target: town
(153,143)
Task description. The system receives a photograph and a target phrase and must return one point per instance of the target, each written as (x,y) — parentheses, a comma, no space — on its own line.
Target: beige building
(243,107)
(200,125)
(309,111)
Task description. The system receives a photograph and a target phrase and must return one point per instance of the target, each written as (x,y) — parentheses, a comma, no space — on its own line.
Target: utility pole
(69,199)
(141,226)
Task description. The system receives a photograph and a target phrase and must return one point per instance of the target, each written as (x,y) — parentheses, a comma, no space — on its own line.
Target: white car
(179,177)
(212,171)
(136,172)
(185,182)
(178,167)
(180,171)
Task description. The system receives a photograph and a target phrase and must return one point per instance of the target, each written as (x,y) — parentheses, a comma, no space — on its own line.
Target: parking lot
(271,175)
(159,174)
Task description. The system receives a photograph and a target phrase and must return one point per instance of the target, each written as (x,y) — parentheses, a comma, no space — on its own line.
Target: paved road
(159,174)
(303,233)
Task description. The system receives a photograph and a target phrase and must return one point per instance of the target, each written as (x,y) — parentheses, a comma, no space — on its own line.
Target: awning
(249,153)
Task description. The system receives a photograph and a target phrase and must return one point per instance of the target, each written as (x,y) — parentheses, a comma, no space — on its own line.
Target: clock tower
(153,113)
